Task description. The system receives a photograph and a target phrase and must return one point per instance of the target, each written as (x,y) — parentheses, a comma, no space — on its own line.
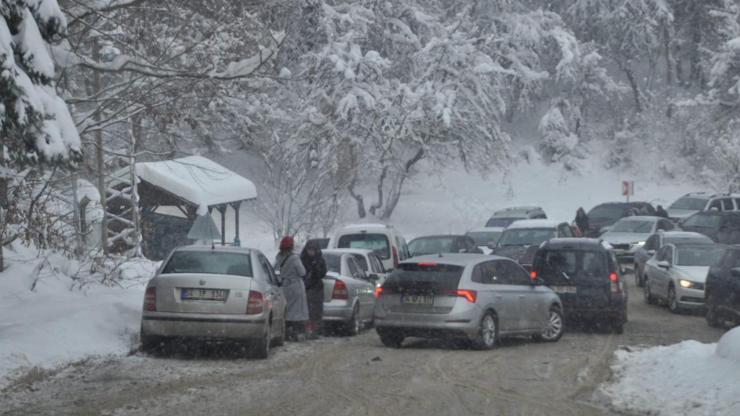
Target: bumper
(337,311)
(690,298)
(430,325)
(202,326)
(614,311)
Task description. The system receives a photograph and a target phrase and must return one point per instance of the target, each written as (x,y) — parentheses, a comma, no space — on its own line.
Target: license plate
(204,294)
(564,289)
(427,300)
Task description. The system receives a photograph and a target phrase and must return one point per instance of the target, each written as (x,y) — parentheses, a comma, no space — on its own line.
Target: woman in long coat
(291,274)
(315,266)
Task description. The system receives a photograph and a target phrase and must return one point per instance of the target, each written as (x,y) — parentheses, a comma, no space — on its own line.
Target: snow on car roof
(487,229)
(362,251)
(534,224)
(641,218)
(198,180)
(453,259)
(517,210)
(368,225)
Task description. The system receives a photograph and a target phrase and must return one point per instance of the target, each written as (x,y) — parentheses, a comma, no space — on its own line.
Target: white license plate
(564,289)
(204,294)
(427,300)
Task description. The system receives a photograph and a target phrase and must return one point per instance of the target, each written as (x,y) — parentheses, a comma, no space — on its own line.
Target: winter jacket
(582,223)
(315,269)
(291,274)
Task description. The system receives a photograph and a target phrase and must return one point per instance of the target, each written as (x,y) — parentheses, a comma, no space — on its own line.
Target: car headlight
(686,284)
(639,243)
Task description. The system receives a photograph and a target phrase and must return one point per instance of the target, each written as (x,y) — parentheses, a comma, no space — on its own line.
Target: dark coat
(660,212)
(582,222)
(315,268)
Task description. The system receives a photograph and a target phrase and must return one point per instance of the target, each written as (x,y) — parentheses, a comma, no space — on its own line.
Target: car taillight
(395,257)
(150,299)
(469,295)
(533,275)
(255,303)
(614,280)
(340,291)
(378,291)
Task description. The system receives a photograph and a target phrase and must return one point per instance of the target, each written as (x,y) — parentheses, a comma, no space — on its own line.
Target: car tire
(354,325)
(555,327)
(618,327)
(649,297)
(262,346)
(390,338)
(487,335)
(638,278)
(712,317)
(280,340)
(149,343)
(671,300)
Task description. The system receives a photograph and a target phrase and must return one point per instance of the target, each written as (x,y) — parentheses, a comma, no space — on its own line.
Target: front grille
(692,299)
(621,246)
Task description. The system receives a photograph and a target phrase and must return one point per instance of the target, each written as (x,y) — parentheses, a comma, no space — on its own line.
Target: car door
(274,293)
(533,302)
(500,293)
(652,270)
(643,254)
(362,288)
(661,276)
(519,295)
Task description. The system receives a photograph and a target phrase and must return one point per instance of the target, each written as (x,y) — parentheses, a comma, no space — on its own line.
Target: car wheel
(262,349)
(353,326)
(638,278)
(672,301)
(555,327)
(649,298)
(280,340)
(390,338)
(712,317)
(618,327)
(487,333)
(149,342)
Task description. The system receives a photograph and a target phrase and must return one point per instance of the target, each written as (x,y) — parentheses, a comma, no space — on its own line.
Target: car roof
(725,213)
(534,224)
(682,234)
(438,236)
(368,226)
(216,248)
(643,218)
(590,243)
(518,210)
(709,195)
(453,259)
(362,251)
(487,229)
(626,204)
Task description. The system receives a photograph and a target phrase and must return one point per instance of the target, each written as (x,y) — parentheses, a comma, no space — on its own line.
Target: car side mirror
(664,265)
(373,277)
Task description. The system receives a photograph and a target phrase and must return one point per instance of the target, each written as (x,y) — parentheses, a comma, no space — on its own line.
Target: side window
(471,244)
(727,204)
(516,274)
(487,273)
(663,253)
(669,254)
(715,205)
(377,264)
(267,269)
(354,269)
(565,230)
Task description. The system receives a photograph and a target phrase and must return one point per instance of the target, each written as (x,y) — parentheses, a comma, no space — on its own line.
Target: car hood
(693,273)
(624,238)
(680,213)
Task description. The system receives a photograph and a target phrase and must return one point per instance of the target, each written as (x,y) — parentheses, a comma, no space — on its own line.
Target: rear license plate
(564,289)
(426,300)
(204,294)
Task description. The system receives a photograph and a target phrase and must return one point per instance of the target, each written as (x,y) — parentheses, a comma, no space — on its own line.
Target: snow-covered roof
(534,224)
(487,229)
(198,180)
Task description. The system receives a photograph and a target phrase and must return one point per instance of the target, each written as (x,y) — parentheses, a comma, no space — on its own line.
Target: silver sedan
(472,297)
(349,294)
(215,293)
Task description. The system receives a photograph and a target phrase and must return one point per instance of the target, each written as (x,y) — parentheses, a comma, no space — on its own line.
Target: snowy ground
(54,323)
(689,378)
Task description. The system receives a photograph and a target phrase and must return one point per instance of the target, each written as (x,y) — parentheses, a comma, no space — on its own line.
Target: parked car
(694,202)
(322,243)
(721,227)
(656,241)
(368,261)
(224,293)
(476,298)
(435,244)
(630,233)
(603,216)
(722,289)
(677,274)
(587,277)
(505,217)
(349,294)
(521,240)
(486,238)
(384,240)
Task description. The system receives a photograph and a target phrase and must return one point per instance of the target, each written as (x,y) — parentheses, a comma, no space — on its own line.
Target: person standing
(315,265)
(291,274)
(582,221)
(661,212)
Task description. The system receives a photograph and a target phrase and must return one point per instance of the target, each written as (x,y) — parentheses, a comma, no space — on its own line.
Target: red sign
(628,188)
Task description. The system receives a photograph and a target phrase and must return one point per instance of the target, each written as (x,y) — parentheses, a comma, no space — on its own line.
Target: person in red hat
(291,270)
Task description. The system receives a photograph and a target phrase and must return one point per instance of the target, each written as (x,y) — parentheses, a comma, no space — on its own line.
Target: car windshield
(209,262)
(431,245)
(526,236)
(698,256)
(376,242)
(633,226)
(689,203)
(333,262)
(502,222)
(483,238)
(703,221)
(607,212)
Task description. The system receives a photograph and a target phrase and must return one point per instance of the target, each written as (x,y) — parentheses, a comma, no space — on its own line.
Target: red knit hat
(287,243)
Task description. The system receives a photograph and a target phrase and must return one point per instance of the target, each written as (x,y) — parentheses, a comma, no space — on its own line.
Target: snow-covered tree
(558,141)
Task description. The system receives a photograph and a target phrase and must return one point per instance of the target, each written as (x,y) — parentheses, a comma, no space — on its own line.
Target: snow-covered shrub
(728,346)
(559,144)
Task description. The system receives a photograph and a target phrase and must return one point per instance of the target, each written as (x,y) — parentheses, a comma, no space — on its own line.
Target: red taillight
(469,295)
(255,303)
(427,264)
(340,291)
(378,291)
(614,279)
(150,299)
(533,275)
(395,257)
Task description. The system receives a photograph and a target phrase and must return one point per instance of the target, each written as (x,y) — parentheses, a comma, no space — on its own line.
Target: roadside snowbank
(47,318)
(689,378)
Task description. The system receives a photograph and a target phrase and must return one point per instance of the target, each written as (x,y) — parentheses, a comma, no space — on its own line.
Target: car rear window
(502,222)
(376,242)
(703,221)
(209,262)
(483,238)
(526,236)
(431,245)
(424,276)
(333,262)
(568,266)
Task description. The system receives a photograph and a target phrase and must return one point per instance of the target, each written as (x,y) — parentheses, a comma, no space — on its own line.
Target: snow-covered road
(350,376)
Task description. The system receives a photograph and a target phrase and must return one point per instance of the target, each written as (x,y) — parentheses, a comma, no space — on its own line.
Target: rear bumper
(337,311)
(610,312)
(430,325)
(202,325)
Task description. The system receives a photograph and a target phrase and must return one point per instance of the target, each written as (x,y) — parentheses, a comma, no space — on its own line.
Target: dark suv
(605,215)
(587,278)
(721,227)
(722,289)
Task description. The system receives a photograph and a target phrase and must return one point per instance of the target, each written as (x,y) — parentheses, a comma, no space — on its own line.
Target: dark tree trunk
(359,200)
(635,87)
(395,195)
(667,54)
